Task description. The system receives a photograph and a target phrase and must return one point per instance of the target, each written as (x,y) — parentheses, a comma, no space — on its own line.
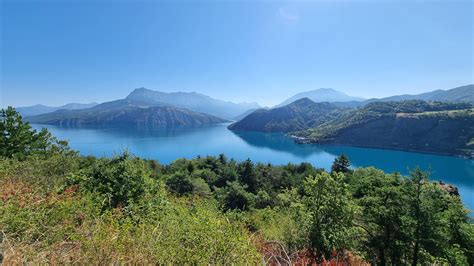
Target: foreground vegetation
(59,207)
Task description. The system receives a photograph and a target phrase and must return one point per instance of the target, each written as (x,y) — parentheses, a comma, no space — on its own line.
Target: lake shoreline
(307,141)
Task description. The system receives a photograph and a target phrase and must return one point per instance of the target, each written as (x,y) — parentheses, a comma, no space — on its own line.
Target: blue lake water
(168,145)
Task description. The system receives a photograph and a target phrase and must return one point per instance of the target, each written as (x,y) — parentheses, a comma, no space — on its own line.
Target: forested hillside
(127,114)
(299,115)
(407,125)
(59,207)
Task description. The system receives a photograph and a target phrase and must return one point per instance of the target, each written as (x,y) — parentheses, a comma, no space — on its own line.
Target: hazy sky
(83,51)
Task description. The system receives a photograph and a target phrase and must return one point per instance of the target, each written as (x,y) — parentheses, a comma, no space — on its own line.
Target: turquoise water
(168,145)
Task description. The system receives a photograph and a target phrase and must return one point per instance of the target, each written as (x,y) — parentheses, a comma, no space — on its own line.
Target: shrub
(180,183)
(234,196)
(120,180)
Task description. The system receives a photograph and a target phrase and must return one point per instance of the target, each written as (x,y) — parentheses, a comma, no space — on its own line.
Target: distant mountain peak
(191,100)
(38,109)
(327,89)
(322,95)
(458,94)
(298,115)
(303,101)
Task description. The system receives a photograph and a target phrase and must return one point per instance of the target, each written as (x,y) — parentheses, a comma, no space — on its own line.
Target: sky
(55,52)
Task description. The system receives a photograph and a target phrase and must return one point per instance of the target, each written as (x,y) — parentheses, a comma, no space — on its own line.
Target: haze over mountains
(441,121)
(43,109)
(284,117)
(153,108)
(458,94)
(321,95)
(416,125)
(235,111)
(298,115)
(128,115)
(193,101)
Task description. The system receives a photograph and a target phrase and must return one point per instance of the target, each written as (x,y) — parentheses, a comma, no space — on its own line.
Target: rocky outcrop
(452,190)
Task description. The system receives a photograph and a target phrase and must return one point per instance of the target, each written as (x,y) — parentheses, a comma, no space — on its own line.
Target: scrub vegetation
(57,206)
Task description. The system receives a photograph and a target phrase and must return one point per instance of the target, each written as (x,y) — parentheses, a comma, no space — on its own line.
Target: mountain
(415,125)
(125,113)
(193,101)
(246,113)
(298,115)
(321,95)
(43,109)
(458,94)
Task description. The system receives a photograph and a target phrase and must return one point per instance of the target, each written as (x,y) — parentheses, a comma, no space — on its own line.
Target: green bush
(235,197)
(180,183)
(119,181)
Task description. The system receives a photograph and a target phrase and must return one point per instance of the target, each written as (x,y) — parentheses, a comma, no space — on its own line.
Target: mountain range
(39,109)
(193,101)
(144,107)
(322,95)
(417,125)
(458,94)
(298,115)
(126,113)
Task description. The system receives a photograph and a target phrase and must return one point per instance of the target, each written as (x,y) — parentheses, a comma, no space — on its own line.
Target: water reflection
(447,168)
(172,143)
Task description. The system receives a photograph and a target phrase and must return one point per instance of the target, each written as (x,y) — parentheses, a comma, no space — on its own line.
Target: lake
(168,145)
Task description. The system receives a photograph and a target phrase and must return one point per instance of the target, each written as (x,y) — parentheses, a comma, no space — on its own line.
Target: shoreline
(303,140)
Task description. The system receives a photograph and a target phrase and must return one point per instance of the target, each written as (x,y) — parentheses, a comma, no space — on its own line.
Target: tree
(18,139)
(234,196)
(341,164)
(180,183)
(222,159)
(383,209)
(120,180)
(435,222)
(329,210)
(248,175)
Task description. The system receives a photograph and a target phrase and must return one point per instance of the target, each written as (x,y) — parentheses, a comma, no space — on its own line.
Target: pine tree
(341,164)
(16,136)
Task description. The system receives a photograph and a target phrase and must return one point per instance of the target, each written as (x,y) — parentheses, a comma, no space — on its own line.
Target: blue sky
(54,52)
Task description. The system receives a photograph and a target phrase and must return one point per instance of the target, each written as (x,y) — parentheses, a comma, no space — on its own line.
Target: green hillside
(299,115)
(57,207)
(408,125)
(125,114)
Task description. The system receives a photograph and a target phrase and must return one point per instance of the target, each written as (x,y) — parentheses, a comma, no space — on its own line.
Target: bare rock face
(452,190)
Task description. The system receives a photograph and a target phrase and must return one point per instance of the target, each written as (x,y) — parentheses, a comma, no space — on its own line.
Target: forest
(57,206)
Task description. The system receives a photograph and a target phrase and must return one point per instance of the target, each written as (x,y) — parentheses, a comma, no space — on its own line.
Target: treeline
(59,207)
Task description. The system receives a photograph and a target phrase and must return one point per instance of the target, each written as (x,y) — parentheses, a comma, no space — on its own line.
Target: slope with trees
(299,115)
(59,207)
(127,113)
(435,127)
